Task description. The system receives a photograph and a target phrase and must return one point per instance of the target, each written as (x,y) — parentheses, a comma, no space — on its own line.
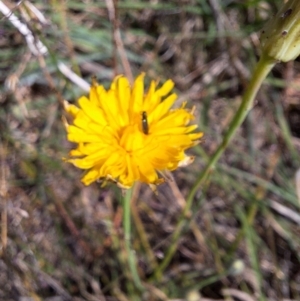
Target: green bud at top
(280,38)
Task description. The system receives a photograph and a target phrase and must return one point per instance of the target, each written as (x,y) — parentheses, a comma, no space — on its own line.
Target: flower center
(132,138)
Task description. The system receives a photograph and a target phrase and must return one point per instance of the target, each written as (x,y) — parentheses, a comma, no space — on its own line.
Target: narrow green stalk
(240,235)
(252,250)
(127,237)
(262,69)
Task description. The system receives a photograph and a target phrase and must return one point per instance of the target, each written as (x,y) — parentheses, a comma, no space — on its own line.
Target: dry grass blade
(3,196)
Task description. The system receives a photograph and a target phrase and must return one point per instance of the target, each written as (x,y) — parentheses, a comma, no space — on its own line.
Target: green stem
(127,237)
(262,69)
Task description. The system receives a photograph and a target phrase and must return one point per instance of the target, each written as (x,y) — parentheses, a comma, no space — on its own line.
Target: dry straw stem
(3,198)
(297,180)
(34,44)
(37,48)
(117,39)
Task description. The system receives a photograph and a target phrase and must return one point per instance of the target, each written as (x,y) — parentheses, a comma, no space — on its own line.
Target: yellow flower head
(125,135)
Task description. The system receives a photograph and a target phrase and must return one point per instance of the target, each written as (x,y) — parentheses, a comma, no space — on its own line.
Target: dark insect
(145,123)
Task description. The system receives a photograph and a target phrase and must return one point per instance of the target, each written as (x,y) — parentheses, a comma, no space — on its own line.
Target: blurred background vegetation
(63,241)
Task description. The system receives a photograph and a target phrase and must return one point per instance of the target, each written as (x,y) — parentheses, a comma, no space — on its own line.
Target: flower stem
(262,69)
(127,237)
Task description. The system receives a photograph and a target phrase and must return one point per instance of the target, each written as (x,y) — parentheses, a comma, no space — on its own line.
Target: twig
(65,217)
(3,195)
(34,44)
(297,180)
(238,294)
(285,211)
(73,77)
(38,49)
(112,11)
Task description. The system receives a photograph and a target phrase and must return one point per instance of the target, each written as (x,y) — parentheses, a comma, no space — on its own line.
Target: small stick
(3,196)
(113,16)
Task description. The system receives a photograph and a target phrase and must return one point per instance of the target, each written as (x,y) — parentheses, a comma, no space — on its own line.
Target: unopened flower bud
(280,38)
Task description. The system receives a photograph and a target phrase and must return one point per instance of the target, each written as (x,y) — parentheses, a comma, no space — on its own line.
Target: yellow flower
(125,135)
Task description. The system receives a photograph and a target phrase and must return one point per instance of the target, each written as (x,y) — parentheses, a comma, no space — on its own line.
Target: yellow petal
(166,88)
(162,109)
(137,96)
